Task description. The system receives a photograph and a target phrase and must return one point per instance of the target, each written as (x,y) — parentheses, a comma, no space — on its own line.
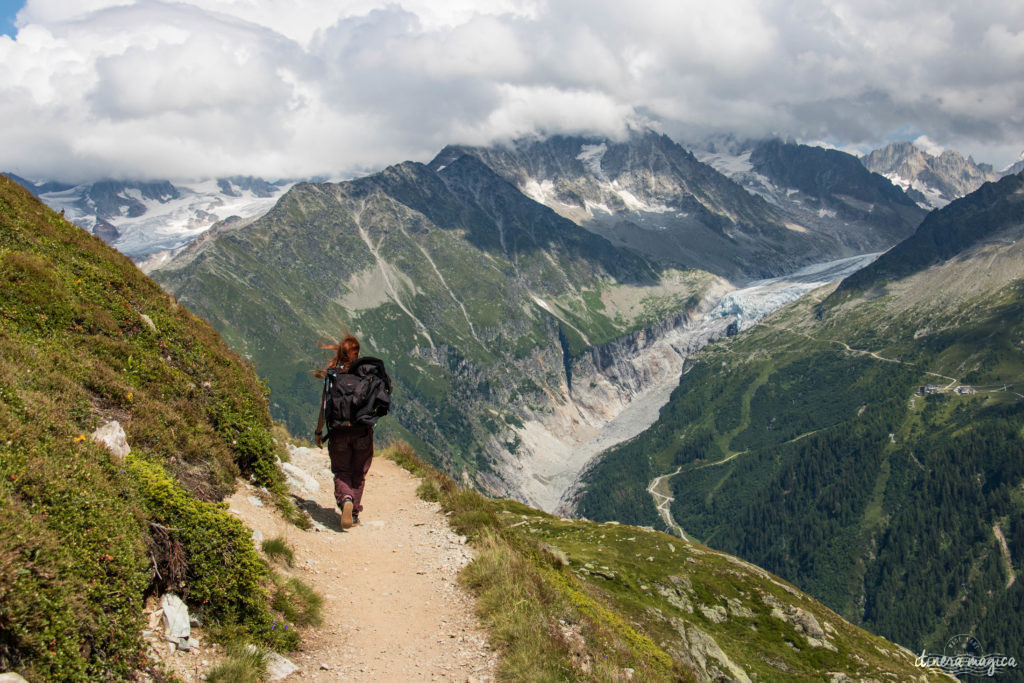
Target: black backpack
(355,397)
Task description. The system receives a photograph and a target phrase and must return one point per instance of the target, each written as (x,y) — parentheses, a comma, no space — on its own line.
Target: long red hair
(345,353)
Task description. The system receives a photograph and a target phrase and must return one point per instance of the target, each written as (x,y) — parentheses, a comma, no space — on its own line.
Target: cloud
(153,88)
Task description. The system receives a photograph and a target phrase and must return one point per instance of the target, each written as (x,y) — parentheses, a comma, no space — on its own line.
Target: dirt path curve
(392,608)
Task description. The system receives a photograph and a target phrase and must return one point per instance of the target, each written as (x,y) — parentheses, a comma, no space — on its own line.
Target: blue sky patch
(8,10)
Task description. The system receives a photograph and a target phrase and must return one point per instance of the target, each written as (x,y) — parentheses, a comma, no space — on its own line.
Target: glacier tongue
(619,388)
(753,302)
(165,222)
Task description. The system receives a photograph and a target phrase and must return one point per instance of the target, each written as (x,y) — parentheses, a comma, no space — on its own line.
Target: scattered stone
(737,609)
(715,613)
(278,667)
(806,622)
(113,437)
(324,667)
(175,617)
(256,502)
(705,650)
(676,597)
(257,536)
(11,677)
(299,479)
(148,321)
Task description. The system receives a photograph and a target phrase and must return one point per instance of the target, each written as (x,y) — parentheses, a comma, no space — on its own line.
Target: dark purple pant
(351,452)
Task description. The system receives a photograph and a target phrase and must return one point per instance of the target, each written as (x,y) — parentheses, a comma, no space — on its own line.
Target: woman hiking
(357,390)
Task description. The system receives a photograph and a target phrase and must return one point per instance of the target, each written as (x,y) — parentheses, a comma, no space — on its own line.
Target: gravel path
(392,608)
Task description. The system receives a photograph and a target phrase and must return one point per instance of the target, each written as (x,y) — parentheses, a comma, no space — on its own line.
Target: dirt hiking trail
(392,608)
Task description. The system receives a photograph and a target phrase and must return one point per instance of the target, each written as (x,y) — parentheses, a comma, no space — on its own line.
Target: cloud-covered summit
(148,88)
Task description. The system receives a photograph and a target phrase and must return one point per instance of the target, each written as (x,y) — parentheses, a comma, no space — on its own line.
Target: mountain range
(864,442)
(144,218)
(89,530)
(649,194)
(517,337)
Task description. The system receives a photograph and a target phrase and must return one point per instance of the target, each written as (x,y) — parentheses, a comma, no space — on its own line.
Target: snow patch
(729,165)
(542,192)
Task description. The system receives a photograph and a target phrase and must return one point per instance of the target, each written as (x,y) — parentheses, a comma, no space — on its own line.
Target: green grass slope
(583,601)
(84,535)
(804,445)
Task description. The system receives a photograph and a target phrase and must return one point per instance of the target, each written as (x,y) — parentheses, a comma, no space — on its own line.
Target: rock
(257,536)
(300,479)
(11,677)
(112,436)
(715,613)
(148,321)
(704,649)
(176,621)
(737,609)
(278,667)
(676,597)
(188,644)
(256,502)
(806,622)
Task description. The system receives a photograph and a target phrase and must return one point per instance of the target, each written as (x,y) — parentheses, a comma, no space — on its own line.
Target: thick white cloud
(152,88)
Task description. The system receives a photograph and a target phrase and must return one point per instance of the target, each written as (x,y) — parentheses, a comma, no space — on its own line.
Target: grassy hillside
(86,338)
(583,601)
(805,445)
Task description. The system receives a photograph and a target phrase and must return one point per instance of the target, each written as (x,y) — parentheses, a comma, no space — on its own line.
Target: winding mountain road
(662,494)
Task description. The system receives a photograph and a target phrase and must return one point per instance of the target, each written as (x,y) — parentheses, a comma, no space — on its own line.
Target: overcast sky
(294,88)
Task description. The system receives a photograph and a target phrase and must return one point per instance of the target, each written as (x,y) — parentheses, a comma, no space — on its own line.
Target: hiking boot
(355,518)
(346,513)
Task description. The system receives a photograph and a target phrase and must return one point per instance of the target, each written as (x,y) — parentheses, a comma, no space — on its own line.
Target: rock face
(932,181)
(818,192)
(650,194)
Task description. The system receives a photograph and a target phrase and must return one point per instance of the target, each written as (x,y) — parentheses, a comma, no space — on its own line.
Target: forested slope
(866,446)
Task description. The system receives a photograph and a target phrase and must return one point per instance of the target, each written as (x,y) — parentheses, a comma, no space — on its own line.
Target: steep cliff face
(821,192)
(932,181)
(650,194)
(607,394)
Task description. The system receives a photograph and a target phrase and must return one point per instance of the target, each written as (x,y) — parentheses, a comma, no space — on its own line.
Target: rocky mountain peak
(933,181)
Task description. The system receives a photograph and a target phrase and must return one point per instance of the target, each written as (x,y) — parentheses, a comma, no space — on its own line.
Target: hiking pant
(351,452)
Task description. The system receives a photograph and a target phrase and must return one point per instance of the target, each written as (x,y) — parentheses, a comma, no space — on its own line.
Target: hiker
(356,392)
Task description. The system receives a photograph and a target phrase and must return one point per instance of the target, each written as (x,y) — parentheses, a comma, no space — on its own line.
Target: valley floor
(392,608)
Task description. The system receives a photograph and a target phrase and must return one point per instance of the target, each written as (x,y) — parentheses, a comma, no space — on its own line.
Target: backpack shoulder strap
(323,401)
